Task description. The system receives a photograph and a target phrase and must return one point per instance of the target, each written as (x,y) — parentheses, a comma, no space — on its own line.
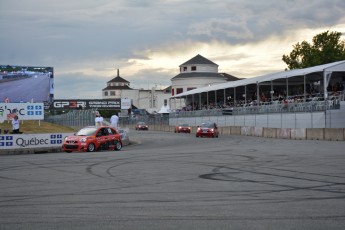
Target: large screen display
(26,84)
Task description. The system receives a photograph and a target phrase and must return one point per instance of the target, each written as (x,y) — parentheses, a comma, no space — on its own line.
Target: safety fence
(73,118)
(313,106)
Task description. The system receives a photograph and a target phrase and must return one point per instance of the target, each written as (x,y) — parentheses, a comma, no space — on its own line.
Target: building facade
(152,100)
(196,72)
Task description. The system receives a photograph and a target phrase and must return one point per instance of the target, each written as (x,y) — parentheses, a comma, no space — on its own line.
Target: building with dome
(115,86)
(195,73)
(152,100)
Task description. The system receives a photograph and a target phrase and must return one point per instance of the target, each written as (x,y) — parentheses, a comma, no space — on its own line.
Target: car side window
(111,131)
(99,133)
(104,132)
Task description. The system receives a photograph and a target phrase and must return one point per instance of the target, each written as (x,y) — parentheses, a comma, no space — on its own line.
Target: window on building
(193,68)
(165,102)
(185,68)
(105,93)
(190,88)
(112,93)
(179,90)
(172,91)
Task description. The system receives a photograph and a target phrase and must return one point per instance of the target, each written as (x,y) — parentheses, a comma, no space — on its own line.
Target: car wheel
(118,145)
(91,147)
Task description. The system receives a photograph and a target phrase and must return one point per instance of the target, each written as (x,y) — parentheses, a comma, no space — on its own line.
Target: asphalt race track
(177,181)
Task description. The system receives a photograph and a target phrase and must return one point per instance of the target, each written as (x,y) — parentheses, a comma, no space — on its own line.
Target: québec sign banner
(24,111)
(24,141)
(86,104)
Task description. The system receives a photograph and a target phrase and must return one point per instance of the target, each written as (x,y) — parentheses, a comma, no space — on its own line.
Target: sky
(86,41)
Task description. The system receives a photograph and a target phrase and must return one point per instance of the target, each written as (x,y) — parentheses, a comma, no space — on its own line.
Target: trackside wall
(328,134)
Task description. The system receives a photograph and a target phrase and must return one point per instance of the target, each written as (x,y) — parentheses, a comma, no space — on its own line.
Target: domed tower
(197,72)
(114,87)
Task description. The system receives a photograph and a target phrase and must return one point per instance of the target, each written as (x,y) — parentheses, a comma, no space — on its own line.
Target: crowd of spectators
(336,93)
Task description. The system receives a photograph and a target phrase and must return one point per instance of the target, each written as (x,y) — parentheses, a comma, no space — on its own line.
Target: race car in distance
(93,138)
(141,126)
(182,128)
(207,129)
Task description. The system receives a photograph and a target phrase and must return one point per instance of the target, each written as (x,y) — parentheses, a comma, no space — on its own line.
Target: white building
(195,73)
(152,100)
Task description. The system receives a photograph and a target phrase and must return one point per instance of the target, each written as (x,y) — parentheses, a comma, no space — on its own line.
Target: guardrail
(312,106)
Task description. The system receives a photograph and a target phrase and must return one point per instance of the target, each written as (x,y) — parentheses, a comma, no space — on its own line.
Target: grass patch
(29,127)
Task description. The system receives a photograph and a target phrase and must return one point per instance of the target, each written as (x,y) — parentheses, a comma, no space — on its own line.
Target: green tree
(326,47)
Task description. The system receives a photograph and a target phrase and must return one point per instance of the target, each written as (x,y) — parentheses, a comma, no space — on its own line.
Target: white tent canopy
(324,70)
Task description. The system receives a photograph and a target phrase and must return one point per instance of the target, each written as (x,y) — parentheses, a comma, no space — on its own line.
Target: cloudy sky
(86,41)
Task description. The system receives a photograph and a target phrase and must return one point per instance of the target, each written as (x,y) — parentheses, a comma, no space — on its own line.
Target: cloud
(86,41)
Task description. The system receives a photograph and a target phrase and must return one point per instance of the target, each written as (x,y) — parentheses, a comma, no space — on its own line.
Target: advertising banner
(113,104)
(126,103)
(24,111)
(23,141)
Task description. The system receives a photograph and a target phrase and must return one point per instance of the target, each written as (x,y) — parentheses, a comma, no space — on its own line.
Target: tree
(327,47)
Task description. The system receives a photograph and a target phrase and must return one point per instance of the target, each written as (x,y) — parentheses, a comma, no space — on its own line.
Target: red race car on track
(92,138)
(182,128)
(207,129)
(141,126)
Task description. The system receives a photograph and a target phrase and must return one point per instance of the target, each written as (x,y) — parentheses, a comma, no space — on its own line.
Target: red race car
(182,128)
(141,126)
(207,129)
(92,138)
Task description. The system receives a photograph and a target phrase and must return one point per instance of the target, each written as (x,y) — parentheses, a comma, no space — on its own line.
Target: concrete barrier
(334,134)
(284,133)
(298,134)
(226,130)
(245,130)
(270,132)
(330,134)
(258,131)
(235,130)
(316,134)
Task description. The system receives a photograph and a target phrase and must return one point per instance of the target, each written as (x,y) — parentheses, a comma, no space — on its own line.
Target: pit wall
(328,134)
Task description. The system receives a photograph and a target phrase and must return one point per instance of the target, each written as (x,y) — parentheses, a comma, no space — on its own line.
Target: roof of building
(118,79)
(117,87)
(199,60)
(227,77)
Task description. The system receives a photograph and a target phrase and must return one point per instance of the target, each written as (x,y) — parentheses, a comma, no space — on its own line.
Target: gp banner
(24,111)
(87,104)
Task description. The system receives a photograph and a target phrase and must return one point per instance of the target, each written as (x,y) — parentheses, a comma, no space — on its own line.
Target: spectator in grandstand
(7,100)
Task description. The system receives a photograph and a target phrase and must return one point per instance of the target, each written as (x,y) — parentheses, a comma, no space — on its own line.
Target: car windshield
(86,131)
(184,125)
(207,125)
(141,123)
